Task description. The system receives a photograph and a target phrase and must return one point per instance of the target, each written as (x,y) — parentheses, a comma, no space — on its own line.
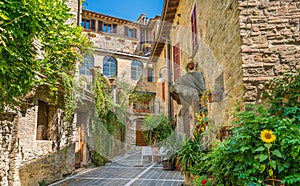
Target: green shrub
(244,159)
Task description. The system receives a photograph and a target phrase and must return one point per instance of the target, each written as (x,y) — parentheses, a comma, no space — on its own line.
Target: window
(194,28)
(130,32)
(109,66)
(150,75)
(107,28)
(136,70)
(85,24)
(42,121)
(176,59)
(88,63)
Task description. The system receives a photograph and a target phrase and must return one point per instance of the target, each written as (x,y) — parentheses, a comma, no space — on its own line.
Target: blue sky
(126,9)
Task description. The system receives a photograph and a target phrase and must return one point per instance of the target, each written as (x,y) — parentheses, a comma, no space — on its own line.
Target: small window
(85,24)
(42,121)
(130,32)
(136,70)
(107,28)
(109,66)
(150,75)
(88,63)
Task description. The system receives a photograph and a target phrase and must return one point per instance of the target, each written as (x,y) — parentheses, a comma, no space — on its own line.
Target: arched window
(88,63)
(109,66)
(136,70)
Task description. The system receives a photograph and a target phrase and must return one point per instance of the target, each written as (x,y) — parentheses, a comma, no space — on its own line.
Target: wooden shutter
(100,26)
(176,59)
(194,27)
(134,35)
(93,25)
(114,28)
(141,35)
(163,96)
(126,31)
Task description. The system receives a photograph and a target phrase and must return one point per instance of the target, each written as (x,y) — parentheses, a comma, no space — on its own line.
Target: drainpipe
(169,77)
(78,12)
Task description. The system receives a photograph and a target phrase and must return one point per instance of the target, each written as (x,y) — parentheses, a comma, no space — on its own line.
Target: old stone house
(121,52)
(37,143)
(235,46)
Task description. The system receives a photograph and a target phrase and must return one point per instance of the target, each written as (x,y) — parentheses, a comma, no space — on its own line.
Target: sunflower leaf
(262,157)
(261,148)
(277,153)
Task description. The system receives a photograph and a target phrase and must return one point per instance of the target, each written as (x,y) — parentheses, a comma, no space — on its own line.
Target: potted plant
(122,40)
(155,130)
(171,146)
(190,66)
(189,155)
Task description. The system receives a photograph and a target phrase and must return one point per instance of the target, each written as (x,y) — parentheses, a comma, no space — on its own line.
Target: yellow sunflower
(200,118)
(267,136)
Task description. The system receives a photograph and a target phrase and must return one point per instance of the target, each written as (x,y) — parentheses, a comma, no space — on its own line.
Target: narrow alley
(125,171)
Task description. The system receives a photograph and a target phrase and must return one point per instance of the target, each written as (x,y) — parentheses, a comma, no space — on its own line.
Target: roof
(168,15)
(110,18)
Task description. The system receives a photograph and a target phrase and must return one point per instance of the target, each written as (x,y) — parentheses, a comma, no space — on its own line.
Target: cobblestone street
(125,171)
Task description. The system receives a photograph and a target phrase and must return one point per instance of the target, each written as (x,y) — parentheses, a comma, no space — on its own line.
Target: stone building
(37,143)
(234,47)
(121,52)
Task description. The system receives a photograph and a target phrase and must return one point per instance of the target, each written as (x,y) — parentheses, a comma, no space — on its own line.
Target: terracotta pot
(272,182)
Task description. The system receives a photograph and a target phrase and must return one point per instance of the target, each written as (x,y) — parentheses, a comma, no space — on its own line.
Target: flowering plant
(265,142)
(202,181)
(202,121)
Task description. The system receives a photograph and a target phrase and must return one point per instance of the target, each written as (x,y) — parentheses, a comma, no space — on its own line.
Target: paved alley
(127,170)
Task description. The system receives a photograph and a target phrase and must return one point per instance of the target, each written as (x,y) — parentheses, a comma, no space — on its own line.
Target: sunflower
(267,136)
(199,118)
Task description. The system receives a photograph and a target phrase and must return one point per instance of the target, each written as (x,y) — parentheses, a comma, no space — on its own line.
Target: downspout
(78,12)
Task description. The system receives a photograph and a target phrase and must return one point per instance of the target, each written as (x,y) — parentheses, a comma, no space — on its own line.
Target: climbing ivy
(37,47)
(103,101)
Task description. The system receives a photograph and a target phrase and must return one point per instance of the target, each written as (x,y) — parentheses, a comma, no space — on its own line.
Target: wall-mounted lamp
(161,79)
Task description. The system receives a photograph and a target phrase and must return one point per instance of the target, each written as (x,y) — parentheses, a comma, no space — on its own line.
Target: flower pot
(272,182)
(187,179)
(168,164)
(177,164)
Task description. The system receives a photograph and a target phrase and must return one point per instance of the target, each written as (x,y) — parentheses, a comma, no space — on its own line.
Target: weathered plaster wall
(270,32)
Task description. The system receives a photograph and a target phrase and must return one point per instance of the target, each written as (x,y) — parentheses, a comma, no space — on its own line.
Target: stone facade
(240,45)
(270,33)
(33,153)
(125,42)
(37,144)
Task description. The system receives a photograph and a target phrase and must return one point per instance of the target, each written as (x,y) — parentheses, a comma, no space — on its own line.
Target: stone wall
(50,167)
(270,32)
(8,143)
(24,159)
(218,54)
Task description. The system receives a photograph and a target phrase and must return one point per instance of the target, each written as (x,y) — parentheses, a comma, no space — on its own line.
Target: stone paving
(127,170)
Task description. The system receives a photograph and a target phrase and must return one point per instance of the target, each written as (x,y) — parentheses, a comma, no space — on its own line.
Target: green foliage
(199,181)
(172,145)
(139,96)
(42,182)
(191,153)
(37,47)
(244,159)
(103,101)
(156,128)
(98,159)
